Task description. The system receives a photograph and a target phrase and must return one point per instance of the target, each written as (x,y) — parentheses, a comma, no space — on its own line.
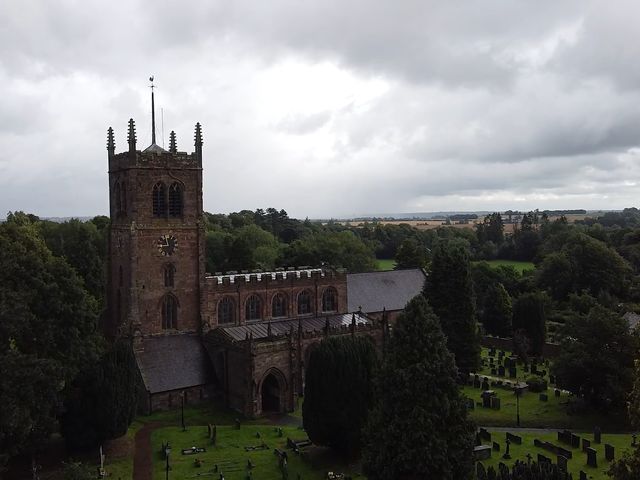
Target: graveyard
(239,452)
(557,447)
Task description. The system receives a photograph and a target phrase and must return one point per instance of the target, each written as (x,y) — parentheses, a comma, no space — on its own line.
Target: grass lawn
(519,266)
(578,462)
(230,455)
(385,264)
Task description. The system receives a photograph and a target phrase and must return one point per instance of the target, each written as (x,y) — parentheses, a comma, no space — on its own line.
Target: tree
(491,229)
(418,427)
(529,318)
(338,392)
(103,402)
(596,359)
(450,292)
(411,255)
(555,275)
(498,312)
(47,333)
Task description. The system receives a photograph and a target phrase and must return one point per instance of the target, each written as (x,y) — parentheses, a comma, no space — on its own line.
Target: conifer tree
(449,290)
(498,312)
(338,392)
(418,427)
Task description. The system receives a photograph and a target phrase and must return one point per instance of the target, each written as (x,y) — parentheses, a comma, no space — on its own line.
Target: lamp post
(182,410)
(166,468)
(518,391)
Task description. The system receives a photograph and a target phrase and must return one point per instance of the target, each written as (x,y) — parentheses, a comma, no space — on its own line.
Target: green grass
(385,264)
(230,455)
(621,442)
(519,266)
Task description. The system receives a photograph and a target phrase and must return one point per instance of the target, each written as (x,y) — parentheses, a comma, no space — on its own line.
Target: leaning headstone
(496,446)
(585,444)
(543,397)
(597,435)
(592,460)
(562,463)
(609,452)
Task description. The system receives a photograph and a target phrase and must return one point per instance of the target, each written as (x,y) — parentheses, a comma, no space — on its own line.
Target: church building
(242,337)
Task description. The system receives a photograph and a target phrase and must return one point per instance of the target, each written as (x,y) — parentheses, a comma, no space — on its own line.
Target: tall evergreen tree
(338,392)
(449,290)
(529,317)
(498,312)
(418,427)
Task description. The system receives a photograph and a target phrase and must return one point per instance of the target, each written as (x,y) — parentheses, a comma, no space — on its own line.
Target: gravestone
(543,459)
(507,455)
(513,373)
(484,434)
(562,463)
(495,403)
(583,475)
(544,397)
(565,437)
(514,438)
(592,460)
(494,371)
(575,441)
(496,446)
(485,383)
(501,370)
(585,444)
(597,435)
(481,452)
(492,352)
(609,452)
(486,398)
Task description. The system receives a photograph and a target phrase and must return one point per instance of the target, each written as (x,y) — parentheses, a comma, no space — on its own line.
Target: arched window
(118,198)
(159,200)
(253,308)
(226,310)
(175,200)
(279,305)
(169,312)
(304,303)
(330,300)
(169,272)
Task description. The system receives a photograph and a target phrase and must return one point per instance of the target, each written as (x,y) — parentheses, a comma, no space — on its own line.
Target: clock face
(167,245)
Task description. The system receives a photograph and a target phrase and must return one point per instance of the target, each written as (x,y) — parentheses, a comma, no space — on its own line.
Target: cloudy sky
(328,107)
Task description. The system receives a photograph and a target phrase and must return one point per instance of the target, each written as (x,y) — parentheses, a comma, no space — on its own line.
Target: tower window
(279,305)
(304,303)
(225,311)
(253,307)
(330,300)
(169,273)
(169,312)
(175,200)
(159,200)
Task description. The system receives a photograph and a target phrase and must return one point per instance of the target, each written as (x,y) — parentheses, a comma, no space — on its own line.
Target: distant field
(385,264)
(519,266)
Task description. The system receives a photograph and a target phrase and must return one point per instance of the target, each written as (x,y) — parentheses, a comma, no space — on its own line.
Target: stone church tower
(156,240)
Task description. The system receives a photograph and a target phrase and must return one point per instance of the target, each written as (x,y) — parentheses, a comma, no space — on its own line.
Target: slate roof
(281,327)
(375,291)
(173,362)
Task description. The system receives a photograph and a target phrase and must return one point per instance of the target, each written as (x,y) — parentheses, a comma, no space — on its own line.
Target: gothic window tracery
(279,305)
(304,303)
(253,308)
(169,312)
(175,200)
(226,311)
(330,300)
(159,200)
(169,273)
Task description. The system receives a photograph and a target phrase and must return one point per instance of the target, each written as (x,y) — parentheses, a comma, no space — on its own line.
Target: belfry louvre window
(279,306)
(330,300)
(175,200)
(304,303)
(253,308)
(169,273)
(169,312)
(225,310)
(159,200)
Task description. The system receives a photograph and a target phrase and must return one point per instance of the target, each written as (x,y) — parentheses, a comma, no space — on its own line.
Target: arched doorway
(271,394)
